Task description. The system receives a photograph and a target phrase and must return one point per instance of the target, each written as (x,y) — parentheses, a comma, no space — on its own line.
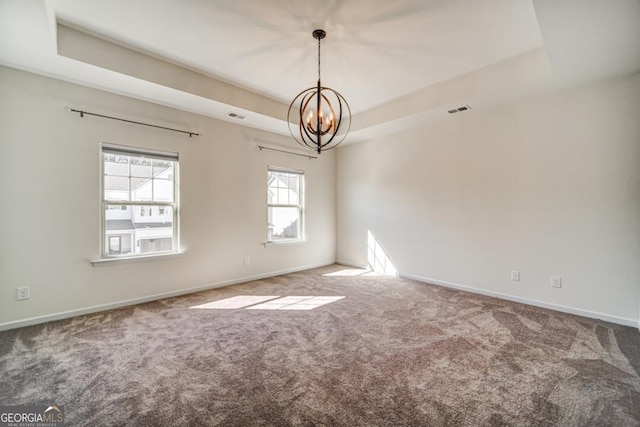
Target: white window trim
(284,242)
(302,232)
(161,255)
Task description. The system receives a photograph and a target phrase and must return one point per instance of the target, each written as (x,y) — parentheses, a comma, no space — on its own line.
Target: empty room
(338,213)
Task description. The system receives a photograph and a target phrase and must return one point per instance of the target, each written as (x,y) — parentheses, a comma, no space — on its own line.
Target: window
(114,244)
(134,183)
(285,201)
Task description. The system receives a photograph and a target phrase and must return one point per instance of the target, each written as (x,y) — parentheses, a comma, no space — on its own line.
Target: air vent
(459,109)
(236,116)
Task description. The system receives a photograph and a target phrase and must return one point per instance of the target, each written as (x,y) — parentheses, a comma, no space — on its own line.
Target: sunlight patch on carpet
(358,272)
(270,302)
(296,303)
(349,272)
(239,301)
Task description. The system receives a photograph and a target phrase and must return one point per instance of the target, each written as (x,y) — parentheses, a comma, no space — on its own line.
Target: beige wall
(547,186)
(49,225)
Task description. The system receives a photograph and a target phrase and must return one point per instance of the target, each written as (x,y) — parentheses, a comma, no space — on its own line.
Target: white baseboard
(111,306)
(557,307)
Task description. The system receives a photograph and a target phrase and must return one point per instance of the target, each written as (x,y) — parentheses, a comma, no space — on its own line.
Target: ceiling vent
(459,109)
(236,116)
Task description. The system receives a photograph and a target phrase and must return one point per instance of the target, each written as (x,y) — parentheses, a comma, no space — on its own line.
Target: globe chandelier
(319,117)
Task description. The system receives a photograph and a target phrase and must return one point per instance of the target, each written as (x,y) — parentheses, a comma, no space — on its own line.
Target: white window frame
(301,206)
(107,148)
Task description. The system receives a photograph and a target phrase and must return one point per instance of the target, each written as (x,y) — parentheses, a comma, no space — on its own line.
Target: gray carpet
(393,352)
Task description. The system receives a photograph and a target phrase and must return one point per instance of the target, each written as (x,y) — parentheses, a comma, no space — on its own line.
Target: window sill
(284,242)
(134,259)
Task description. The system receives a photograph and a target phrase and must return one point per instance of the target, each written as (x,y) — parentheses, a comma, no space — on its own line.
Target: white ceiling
(395,62)
(393,47)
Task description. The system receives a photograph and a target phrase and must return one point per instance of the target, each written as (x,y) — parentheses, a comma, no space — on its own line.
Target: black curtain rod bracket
(82,113)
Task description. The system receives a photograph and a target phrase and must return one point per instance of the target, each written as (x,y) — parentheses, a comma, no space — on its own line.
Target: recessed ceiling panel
(375,50)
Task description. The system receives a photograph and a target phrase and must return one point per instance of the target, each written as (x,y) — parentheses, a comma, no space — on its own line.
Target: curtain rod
(82,113)
(262,147)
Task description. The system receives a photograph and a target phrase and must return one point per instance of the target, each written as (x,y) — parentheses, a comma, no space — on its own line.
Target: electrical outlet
(556,281)
(246,261)
(23,293)
(515,275)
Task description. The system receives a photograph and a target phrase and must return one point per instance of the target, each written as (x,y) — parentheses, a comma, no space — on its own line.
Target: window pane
(141,189)
(293,197)
(118,244)
(136,226)
(147,217)
(163,169)
(156,245)
(294,182)
(284,223)
(114,244)
(284,188)
(163,190)
(282,196)
(141,167)
(116,165)
(116,188)
(133,228)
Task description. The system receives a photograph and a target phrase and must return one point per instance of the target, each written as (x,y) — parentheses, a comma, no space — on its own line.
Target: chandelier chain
(318,59)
